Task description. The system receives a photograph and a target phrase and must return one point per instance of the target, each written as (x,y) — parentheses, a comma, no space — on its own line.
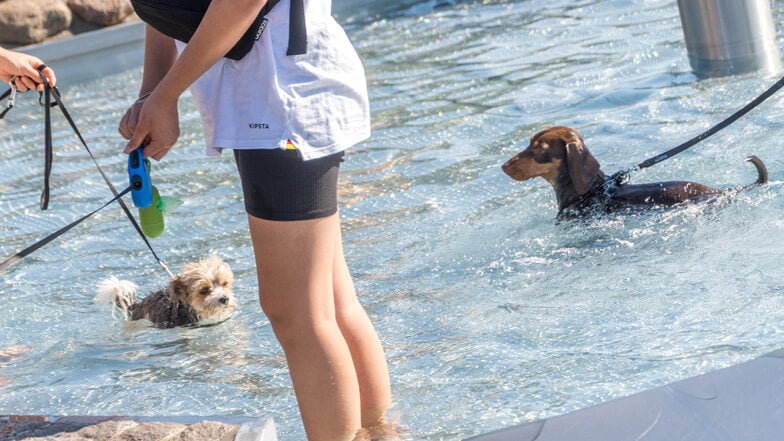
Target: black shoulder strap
(298,32)
(268,7)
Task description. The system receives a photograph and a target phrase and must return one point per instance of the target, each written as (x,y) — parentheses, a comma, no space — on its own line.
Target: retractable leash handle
(145,196)
(139,178)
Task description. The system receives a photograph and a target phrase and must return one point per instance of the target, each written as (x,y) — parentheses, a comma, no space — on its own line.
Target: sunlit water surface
(491,313)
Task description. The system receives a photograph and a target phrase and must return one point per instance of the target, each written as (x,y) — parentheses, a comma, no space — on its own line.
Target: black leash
(619,177)
(11,95)
(48,157)
(29,250)
(51,98)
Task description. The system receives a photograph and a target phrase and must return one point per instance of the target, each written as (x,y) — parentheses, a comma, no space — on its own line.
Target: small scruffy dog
(201,294)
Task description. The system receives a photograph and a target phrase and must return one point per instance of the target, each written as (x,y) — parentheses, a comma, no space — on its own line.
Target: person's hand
(130,119)
(157,126)
(23,68)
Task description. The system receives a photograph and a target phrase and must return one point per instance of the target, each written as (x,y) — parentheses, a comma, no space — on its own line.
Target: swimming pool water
(491,313)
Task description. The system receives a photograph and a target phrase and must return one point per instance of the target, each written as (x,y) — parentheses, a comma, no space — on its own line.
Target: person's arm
(25,68)
(222,26)
(160,54)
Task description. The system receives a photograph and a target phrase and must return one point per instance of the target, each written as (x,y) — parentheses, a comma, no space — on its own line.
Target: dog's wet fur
(200,294)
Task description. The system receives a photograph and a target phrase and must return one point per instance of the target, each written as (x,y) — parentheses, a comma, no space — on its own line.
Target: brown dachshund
(559,155)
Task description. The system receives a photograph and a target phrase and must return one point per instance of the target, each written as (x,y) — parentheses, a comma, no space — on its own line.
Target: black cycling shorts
(279,185)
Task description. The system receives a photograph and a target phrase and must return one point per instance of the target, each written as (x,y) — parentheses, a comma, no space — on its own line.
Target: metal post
(726,37)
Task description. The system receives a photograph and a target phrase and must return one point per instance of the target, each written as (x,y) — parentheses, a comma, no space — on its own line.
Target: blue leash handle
(139,179)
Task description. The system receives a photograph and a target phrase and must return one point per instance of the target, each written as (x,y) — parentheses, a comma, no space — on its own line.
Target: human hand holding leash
(153,122)
(130,119)
(23,68)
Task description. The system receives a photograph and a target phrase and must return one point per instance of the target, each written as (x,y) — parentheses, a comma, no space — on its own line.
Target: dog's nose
(224,300)
(508,166)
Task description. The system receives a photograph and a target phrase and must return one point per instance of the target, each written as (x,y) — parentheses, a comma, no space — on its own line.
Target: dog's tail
(121,294)
(761,170)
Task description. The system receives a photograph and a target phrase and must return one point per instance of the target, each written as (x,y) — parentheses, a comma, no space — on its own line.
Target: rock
(101,12)
(85,429)
(32,21)
(105,430)
(208,430)
(153,431)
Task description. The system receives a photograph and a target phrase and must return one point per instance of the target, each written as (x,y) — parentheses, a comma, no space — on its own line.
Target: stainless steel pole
(726,37)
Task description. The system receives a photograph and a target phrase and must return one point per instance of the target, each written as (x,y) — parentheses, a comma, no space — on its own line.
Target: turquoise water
(491,313)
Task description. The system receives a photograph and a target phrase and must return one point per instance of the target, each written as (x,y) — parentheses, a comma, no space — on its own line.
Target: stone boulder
(101,12)
(32,21)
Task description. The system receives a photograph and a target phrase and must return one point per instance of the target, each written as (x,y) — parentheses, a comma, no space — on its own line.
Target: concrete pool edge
(119,48)
(743,401)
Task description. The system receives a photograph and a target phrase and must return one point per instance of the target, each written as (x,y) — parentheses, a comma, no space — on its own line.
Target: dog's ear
(583,167)
(178,290)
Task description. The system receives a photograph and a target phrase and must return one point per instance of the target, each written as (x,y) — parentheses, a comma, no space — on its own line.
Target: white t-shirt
(317,100)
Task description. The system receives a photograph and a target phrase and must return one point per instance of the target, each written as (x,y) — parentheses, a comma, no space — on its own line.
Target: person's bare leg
(294,261)
(363,342)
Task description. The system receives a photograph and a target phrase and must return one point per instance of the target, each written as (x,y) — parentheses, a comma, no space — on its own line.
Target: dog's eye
(204,291)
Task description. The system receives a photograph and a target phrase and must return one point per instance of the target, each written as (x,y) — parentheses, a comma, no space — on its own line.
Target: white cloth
(317,100)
